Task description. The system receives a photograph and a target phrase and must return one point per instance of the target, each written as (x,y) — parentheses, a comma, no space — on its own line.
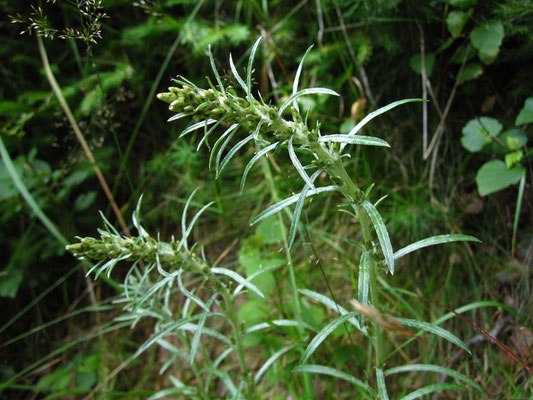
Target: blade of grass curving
(363,282)
(226,133)
(200,124)
(278,322)
(250,66)
(304,92)
(177,116)
(236,75)
(323,334)
(368,391)
(298,210)
(433,241)
(298,165)
(215,71)
(431,389)
(239,279)
(189,294)
(437,369)
(271,360)
(383,234)
(436,330)
(357,139)
(196,338)
(183,241)
(472,306)
(330,304)
(290,200)
(256,157)
(230,155)
(297,78)
(382,388)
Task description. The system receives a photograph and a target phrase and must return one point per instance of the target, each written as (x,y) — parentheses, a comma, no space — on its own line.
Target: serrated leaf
(323,370)
(289,201)
(431,389)
(526,113)
(437,369)
(305,92)
(436,330)
(383,234)
(431,241)
(238,278)
(487,40)
(252,161)
(357,139)
(494,176)
(323,334)
(382,387)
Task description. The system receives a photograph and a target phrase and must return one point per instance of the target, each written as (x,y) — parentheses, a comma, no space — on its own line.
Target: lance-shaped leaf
(177,116)
(229,132)
(363,282)
(357,139)
(304,92)
(266,365)
(188,294)
(252,161)
(200,124)
(382,387)
(298,165)
(236,74)
(215,71)
(231,153)
(432,389)
(196,338)
(256,274)
(297,77)
(436,330)
(368,392)
(278,322)
(250,66)
(381,231)
(290,200)
(239,279)
(323,334)
(433,241)
(208,133)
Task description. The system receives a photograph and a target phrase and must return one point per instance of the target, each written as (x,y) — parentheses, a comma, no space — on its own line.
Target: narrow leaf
(208,133)
(215,71)
(236,74)
(239,279)
(383,234)
(197,125)
(250,66)
(228,132)
(431,389)
(298,165)
(266,365)
(196,338)
(357,139)
(255,274)
(256,157)
(363,282)
(323,334)
(433,241)
(177,116)
(188,294)
(231,153)
(304,92)
(195,218)
(297,78)
(278,322)
(290,200)
(382,388)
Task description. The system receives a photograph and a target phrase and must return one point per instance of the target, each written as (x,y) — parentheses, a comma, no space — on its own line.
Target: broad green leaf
(431,389)
(456,20)
(415,62)
(383,234)
(304,92)
(382,387)
(470,72)
(236,75)
(289,201)
(477,132)
(354,139)
(433,241)
(487,39)
(323,334)
(239,279)
(266,365)
(250,67)
(331,305)
(437,369)
(526,113)
(323,370)
(251,163)
(511,159)
(514,138)
(436,330)
(494,176)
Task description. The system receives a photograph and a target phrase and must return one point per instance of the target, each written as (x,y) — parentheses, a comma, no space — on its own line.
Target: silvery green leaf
(256,157)
(354,139)
(229,132)
(177,116)
(188,294)
(239,279)
(266,365)
(432,389)
(298,209)
(231,153)
(208,133)
(368,393)
(331,305)
(437,369)
(195,218)
(433,241)
(290,200)
(190,327)
(183,241)
(382,388)
(436,330)
(323,334)
(278,322)
(304,92)
(221,151)
(214,68)
(136,218)
(297,77)
(298,165)
(383,234)
(256,274)
(250,67)
(236,74)
(197,125)
(196,338)
(363,282)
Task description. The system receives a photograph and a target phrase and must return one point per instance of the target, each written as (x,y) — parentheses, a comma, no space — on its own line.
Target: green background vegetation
(459,163)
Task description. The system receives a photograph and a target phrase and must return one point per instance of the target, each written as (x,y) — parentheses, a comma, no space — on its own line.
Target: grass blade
(357,139)
(433,241)
(382,388)
(271,361)
(383,234)
(363,282)
(431,389)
